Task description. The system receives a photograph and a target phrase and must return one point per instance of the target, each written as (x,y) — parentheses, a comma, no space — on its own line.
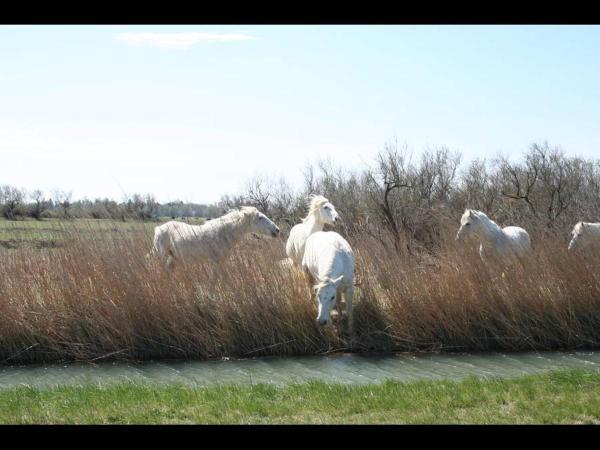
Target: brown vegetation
(103,298)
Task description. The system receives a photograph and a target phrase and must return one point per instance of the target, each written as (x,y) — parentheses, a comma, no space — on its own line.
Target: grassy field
(565,397)
(94,294)
(51,233)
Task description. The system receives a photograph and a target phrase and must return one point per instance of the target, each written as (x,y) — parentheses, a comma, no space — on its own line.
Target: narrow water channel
(341,368)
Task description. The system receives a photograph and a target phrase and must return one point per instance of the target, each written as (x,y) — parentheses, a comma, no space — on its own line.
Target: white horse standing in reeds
(584,235)
(504,242)
(178,241)
(328,262)
(320,213)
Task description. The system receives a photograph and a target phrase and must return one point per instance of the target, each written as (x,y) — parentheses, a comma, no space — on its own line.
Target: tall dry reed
(98,296)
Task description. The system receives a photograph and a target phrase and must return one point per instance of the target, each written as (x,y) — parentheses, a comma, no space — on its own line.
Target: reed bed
(97,296)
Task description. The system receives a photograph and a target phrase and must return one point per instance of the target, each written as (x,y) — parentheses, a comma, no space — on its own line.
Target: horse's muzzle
(276,232)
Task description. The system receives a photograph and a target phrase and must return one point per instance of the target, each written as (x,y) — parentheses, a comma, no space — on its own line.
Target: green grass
(571,396)
(49,233)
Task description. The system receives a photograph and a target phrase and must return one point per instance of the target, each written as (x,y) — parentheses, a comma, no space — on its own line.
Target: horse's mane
(236,215)
(314,204)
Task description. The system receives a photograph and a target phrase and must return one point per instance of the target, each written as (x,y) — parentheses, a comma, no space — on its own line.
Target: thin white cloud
(180,40)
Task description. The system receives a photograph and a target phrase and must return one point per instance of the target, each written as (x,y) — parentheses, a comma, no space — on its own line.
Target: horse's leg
(170,261)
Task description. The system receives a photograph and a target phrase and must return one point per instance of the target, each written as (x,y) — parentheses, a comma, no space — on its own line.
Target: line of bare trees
(407,200)
(18,203)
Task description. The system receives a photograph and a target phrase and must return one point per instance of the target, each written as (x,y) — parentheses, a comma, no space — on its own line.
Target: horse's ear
(338,280)
(582,224)
(318,286)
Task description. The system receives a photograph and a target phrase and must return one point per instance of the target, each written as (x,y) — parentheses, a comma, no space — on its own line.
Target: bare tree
(259,192)
(63,199)
(548,182)
(561,179)
(518,180)
(11,200)
(141,207)
(40,204)
(477,188)
(393,173)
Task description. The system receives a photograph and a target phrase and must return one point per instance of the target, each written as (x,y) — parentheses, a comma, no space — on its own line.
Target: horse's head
(328,214)
(578,236)
(261,224)
(469,223)
(326,294)
(323,209)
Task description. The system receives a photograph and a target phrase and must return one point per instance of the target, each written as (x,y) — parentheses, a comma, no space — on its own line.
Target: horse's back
(324,239)
(170,237)
(518,237)
(181,231)
(326,248)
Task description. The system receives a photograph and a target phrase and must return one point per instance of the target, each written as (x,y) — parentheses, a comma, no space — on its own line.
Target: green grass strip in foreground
(571,396)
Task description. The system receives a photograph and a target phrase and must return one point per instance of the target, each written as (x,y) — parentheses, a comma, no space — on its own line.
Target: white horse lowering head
(322,209)
(469,223)
(259,223)
(326,294)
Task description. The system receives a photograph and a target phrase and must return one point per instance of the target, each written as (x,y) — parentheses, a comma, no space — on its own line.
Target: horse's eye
(467,224)
(327,207)
(333,297)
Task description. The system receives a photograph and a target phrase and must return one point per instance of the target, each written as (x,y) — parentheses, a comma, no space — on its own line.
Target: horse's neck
(490,232)
(313,224)
(231,232)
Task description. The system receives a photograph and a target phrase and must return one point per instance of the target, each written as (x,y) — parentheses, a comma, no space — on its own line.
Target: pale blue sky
(98,111)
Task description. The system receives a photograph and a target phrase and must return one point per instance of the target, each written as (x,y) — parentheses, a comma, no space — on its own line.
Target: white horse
(584,234)
(495,241)
(328,262)
(177,241)
(320,212)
